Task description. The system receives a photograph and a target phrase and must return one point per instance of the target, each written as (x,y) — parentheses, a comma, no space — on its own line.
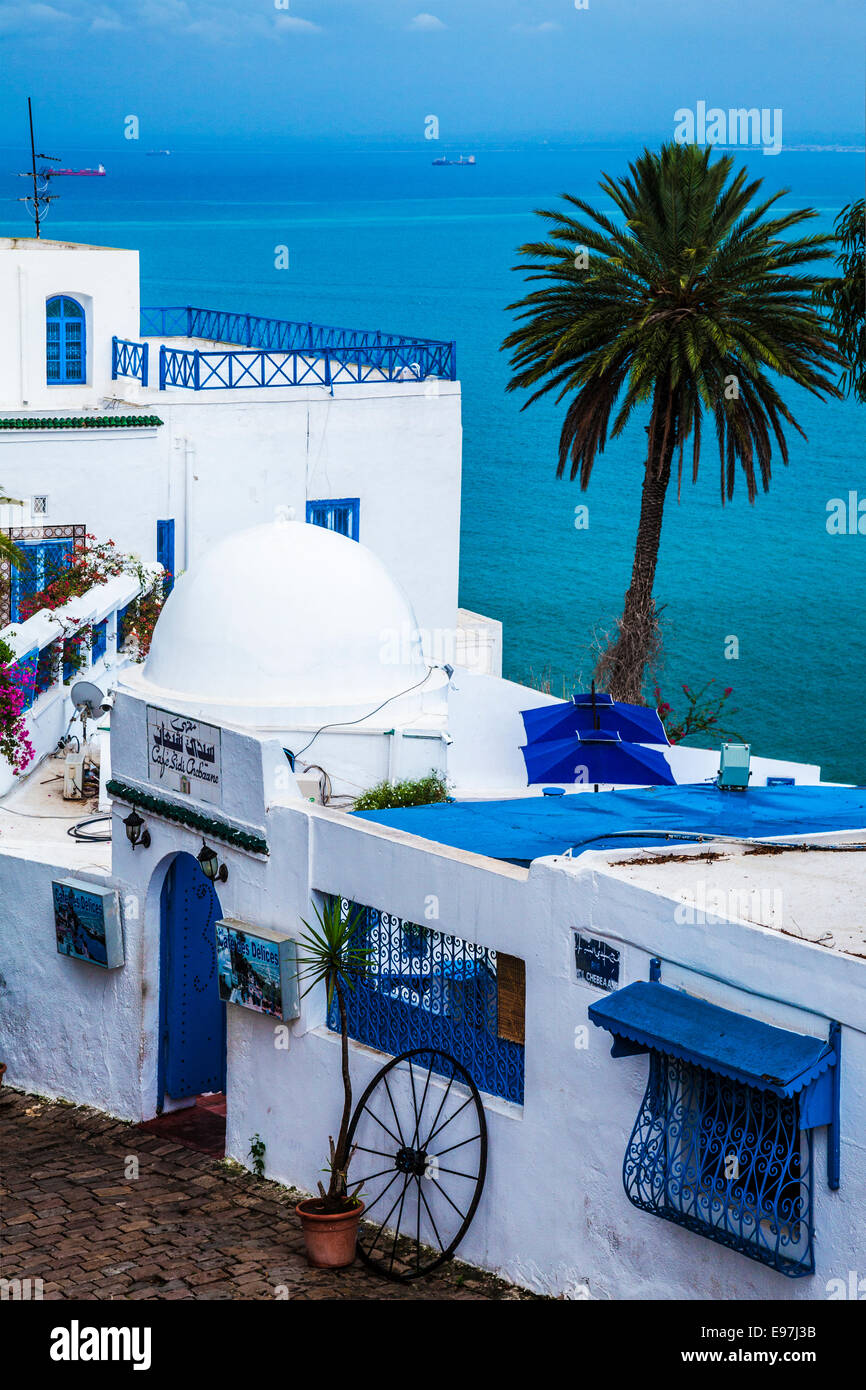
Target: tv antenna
(39,201)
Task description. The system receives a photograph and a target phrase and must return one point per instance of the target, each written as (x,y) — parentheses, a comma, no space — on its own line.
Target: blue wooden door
(193,1053)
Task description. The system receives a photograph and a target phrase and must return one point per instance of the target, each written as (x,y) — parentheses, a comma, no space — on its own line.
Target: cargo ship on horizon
(98,173)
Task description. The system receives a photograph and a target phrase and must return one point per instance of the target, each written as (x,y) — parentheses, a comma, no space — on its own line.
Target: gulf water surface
(386,240)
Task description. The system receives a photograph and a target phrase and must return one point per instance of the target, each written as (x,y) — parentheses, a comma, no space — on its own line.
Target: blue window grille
(165,552)
(100,640)
(342,515)
(44,561)
(423,987)
(47,667)
(725,1160)
(121,625)
(23,672)
(65,341)
(722,1143)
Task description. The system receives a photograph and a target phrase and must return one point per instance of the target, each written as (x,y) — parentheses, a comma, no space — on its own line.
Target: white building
(494,931)
(165,429)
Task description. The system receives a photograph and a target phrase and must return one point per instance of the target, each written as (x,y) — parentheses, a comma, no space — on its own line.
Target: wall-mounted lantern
(137,832)
(210,864)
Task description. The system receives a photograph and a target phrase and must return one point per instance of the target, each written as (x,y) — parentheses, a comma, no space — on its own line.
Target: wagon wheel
(420,1156)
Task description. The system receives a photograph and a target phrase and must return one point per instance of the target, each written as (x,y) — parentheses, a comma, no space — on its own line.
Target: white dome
(286,620)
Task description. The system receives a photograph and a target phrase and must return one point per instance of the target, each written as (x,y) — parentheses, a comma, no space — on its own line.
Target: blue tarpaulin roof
(526,828)
(650,1015)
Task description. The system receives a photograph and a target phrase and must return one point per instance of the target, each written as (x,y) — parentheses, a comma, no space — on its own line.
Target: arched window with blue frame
(65,341)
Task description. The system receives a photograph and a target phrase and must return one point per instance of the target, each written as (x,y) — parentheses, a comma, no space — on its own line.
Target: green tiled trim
(186,815)
(80,422)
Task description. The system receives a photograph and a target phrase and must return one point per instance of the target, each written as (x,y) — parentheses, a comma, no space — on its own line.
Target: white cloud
(546,27)
(291,25)
(426,22)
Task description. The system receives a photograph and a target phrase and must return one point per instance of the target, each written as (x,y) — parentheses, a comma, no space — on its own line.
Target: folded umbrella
(591,758)
(584,714)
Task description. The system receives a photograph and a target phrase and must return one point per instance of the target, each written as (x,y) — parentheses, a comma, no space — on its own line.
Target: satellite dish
(87,698)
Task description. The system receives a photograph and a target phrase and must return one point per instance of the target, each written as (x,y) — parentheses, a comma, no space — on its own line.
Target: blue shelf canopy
(647,1015)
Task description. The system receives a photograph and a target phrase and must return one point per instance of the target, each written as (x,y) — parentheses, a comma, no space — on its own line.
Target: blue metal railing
(422,987)
(280,352)
(129,359)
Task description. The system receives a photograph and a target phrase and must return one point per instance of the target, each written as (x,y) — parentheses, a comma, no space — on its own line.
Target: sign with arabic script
(183,755)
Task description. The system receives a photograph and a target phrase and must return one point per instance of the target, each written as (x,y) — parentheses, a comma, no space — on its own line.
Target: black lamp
(136,831)
(210,864)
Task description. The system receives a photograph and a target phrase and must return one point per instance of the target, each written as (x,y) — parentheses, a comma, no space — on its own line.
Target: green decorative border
(185,815)
(80,422)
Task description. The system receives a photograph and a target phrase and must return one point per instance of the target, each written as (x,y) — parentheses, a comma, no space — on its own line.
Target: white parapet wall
(49,715)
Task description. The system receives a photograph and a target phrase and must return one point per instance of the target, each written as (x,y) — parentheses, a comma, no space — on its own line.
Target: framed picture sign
(87,922)
(257,968)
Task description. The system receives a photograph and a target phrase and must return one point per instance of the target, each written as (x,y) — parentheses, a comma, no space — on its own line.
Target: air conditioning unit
(73,777)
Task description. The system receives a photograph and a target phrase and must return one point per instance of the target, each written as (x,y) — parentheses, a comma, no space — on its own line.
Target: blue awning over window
(648,1015)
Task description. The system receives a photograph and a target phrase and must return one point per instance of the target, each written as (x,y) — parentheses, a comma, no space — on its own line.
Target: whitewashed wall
(554,1215)
(104,280)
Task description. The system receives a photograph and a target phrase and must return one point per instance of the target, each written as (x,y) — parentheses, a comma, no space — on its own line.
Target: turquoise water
(382,240)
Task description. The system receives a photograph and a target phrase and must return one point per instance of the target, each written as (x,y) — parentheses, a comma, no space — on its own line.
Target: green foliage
(695,285)
(692,302)
(845,297)
(334,952)
(423,791)
(256,1152)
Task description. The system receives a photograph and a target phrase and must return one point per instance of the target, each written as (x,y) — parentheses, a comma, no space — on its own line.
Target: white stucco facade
(222,459)
(553,1215)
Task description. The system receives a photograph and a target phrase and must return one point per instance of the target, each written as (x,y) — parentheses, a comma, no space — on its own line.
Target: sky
(211,74)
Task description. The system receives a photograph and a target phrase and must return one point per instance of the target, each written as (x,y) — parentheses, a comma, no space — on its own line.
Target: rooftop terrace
(222,349)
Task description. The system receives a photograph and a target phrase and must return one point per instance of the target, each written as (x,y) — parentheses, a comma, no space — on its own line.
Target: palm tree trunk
(337,1185)
(621,667)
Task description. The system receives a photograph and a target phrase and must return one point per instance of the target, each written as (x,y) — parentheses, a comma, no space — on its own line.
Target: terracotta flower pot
(329,1239)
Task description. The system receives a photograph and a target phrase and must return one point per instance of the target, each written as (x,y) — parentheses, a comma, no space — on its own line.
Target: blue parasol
(597,713)
(596,758)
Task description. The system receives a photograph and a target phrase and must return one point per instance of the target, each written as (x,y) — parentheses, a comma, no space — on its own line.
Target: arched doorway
(192,1054)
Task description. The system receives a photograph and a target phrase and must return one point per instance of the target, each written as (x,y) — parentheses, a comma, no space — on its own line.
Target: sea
(767,599)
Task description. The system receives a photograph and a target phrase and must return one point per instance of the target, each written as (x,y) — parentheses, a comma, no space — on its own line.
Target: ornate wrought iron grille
(725,1160)
(422,988)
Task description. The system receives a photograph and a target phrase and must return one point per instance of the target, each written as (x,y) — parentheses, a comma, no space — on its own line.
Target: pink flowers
(15,744)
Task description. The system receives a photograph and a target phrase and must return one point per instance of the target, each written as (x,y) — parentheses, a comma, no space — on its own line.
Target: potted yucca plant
(333,952)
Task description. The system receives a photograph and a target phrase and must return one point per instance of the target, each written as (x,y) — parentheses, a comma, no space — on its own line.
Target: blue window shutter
(100,638)
(165,550)
(65,341)
(43,561)
(340,514)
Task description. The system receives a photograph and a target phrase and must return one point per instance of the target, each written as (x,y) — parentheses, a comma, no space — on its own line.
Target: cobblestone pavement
(189,1226)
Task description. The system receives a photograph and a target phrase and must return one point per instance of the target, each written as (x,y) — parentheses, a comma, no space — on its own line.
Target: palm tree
(334,953)
(8,549)
(692,304)
(845,297)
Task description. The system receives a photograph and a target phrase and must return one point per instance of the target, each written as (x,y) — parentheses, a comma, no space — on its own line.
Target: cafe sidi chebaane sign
(184,755)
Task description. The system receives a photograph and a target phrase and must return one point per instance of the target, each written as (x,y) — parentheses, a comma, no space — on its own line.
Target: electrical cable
(703,836)
(78,831)
(345,723)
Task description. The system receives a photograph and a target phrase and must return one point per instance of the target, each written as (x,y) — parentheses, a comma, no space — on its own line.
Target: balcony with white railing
(211,349)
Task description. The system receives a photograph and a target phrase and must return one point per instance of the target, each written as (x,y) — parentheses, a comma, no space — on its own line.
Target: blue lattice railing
(129,359)
(725,1160)
(280,352)
(423,987)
